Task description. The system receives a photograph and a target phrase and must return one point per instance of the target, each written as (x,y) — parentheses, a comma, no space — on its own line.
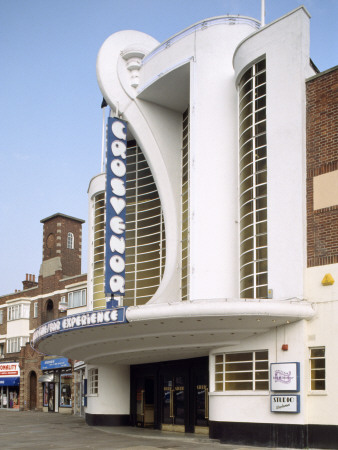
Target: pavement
(37,430)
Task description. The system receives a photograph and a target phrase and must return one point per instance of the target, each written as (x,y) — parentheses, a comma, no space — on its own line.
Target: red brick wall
(322,157)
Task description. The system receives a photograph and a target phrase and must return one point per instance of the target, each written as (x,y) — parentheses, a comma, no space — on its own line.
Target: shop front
(57,381)
(9,385)
(171,396)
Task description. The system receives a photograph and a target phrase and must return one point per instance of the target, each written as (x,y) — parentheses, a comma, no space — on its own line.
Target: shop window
(66,389)
(14,344)
(93,381)
(317,367)
(70,240)
(245,371)
(77,298)
(16,312)
(45,394)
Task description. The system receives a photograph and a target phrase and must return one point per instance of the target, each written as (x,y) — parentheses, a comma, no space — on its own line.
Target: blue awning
(9,381)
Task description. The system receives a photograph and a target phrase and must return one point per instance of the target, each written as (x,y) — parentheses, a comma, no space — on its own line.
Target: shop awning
(46,378)
(9,381)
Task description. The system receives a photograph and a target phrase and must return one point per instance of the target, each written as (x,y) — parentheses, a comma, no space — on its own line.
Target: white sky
(50,116)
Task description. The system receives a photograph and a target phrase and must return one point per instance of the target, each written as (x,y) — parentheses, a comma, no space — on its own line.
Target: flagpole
(262,13)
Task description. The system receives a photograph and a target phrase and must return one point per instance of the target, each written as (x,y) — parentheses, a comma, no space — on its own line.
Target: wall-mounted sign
(9,374)
(116,206)
(285,403)
(54,363)
(82,320)
(284,376)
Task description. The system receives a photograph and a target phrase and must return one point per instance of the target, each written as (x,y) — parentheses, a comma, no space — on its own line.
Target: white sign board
(285,403)
(284,376)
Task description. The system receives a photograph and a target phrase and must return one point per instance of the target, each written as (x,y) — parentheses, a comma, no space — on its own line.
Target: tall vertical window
(99,298)
(1,316)
(35,309)
(185,208)
(145,233)
(70,240)
(317,367)
(253,183)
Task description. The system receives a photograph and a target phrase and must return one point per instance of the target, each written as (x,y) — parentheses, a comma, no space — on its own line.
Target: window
(17,312)
(1,316)
(35,309)
(77,298)
(245,371)
(2,350)
(185,208)
(317,367)
(66,389)
(70,240)
(253,183)
(14,344)
(93,381)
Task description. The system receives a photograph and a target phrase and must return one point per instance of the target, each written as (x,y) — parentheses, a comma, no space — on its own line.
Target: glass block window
(185,208)
(317,367)
(253,183)
(93,381)
(244,371)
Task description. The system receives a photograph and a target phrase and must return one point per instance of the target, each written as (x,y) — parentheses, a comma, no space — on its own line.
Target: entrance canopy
(167,331)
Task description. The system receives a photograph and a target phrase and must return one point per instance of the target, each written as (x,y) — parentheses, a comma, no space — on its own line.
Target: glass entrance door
(145,402)
(201,391)
(173,403)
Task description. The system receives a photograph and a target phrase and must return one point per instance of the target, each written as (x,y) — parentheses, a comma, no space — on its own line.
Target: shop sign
(82,320)
(285,403)
(9,370)
(284,376)
(9,374)
(116,206)
(55,363)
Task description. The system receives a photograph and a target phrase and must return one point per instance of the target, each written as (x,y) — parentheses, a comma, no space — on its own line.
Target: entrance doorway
(173,403)
(32,390)
(51,397)
(171,396)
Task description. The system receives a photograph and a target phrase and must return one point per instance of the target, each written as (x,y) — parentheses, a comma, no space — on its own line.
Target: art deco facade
(226,325)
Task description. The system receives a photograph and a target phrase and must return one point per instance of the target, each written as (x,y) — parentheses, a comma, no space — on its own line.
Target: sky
(50,115)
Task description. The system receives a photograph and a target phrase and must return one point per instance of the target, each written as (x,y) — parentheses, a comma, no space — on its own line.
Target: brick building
(28,379)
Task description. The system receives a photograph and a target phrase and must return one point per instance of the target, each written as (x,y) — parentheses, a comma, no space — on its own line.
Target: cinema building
(224,257)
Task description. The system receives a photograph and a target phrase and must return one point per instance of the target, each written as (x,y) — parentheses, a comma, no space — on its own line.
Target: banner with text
(116,206)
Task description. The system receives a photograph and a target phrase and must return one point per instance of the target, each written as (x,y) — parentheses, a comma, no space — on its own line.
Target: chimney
(29,281)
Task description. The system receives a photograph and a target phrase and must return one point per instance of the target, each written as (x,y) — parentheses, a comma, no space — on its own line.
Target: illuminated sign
(116,206)
(82,320)
(284,376)
(285,403)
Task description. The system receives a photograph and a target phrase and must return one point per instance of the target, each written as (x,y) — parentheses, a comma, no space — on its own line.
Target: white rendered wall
(285,45)
(322,331)
(249,406)
(113,391)
(19,327)
(213,164)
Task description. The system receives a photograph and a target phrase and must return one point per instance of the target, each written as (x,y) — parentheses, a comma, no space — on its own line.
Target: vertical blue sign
(116,206)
